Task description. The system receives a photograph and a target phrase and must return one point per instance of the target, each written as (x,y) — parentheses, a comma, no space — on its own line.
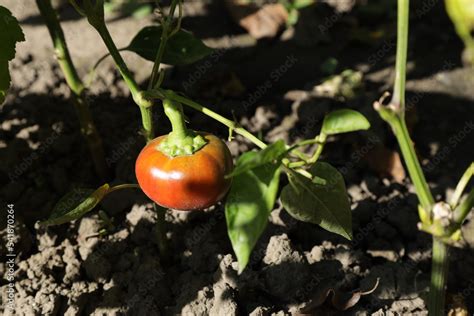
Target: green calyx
(173,146)
(181,141)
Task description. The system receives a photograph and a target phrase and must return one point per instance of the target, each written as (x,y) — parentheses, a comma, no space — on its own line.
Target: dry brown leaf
(260,22)
(386,162)
(339,299)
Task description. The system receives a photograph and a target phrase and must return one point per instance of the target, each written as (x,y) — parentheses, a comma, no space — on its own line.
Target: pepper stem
(181,141)
(174,112)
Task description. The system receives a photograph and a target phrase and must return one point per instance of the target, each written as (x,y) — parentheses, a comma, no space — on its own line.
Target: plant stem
(439,275)
(60,46)
(174,112)
(123,186)
(160,231)
(88,128)
(161,49)
(198,107)
(144,104)
(305,143)
(122,67)
(466,177)
(294,164)
(413,165)
(401,61)
(394,114)
(321,142)
(463,210)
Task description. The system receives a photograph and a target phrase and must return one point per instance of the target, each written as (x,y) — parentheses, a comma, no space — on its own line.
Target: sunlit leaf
(325,205)
(344,121)
(248,206)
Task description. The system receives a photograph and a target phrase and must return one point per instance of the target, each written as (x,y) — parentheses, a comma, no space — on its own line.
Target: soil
(268,86)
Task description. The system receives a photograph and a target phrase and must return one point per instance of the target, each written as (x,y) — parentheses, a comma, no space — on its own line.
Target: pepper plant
(441,219)
(190,170)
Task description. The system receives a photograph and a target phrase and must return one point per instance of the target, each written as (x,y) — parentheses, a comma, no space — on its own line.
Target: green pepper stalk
(88,128)
(394,115)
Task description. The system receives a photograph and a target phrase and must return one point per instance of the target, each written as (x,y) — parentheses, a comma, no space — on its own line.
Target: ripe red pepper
(186,181)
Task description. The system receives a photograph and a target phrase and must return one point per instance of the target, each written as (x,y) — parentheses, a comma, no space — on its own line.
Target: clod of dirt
(282,260)
(382,248)
(315,255)
(45,237)
(260,311)
(73,265)
(87,235)
(141,220)
(47,278)
(348,257)
(201,301)
(415,306)
(224,302)
(140,212)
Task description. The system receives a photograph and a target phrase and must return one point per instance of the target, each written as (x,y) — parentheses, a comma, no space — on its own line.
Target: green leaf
(75,204)
(325,205)
(181,49)
(300,4)
(344,121)
(10,34)
(461,13)
(269,154)
(248,206)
